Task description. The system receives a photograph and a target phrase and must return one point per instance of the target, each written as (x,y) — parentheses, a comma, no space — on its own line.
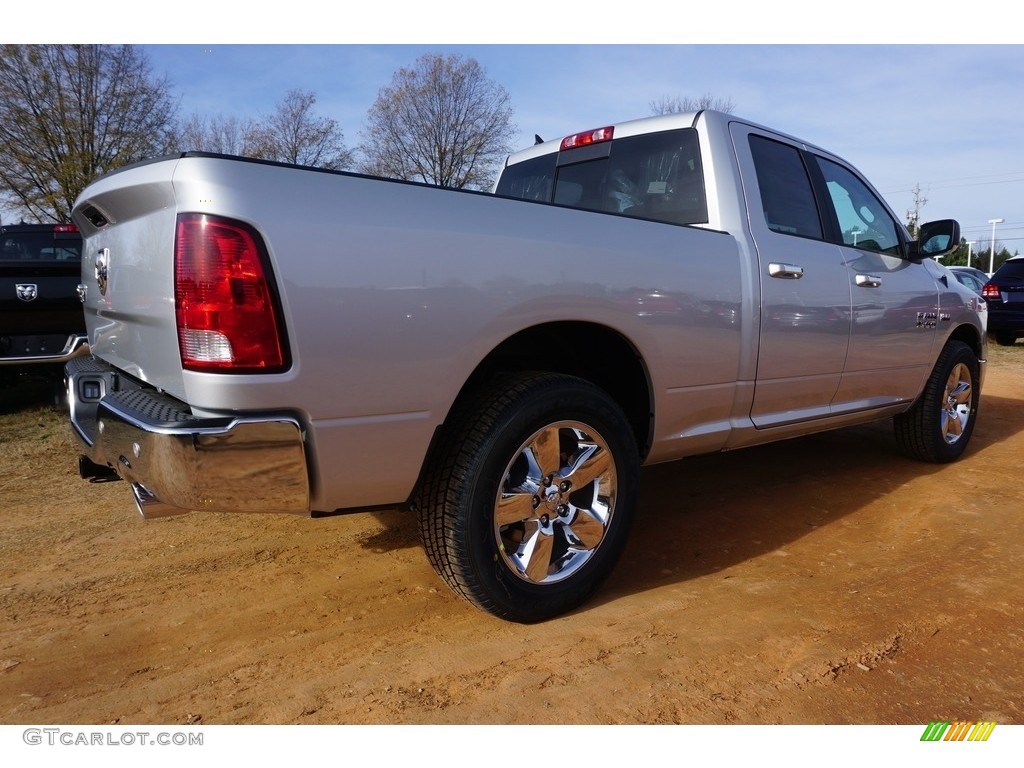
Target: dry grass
(28,416)
(1008,356)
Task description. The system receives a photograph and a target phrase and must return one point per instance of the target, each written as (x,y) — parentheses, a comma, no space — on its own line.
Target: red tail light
(227,313)
(990,291)
(587,137)
(65,228)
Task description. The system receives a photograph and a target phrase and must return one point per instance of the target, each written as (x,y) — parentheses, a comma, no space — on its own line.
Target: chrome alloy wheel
(556,502)
(956,404)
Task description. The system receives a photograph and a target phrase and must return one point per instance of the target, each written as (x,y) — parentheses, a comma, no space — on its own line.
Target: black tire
(1005,339)
(511,545)
(939,426)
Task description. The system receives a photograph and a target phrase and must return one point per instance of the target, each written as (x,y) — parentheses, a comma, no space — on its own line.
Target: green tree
(70,113)
(1001,255)
(958,258)
(442,121)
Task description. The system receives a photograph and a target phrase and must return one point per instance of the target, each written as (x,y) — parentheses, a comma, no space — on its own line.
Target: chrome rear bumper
(76,346)
(177,462)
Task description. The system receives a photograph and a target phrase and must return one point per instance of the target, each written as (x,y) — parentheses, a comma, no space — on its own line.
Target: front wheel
(527,504)
(939,426)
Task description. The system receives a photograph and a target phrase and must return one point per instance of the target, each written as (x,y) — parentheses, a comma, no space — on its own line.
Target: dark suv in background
(1004,294)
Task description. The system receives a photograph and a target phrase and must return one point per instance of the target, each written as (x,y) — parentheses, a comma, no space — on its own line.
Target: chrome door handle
(785,271)
(868,281)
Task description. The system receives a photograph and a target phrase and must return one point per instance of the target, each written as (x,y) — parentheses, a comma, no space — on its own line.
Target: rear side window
(786,193)
(656,176)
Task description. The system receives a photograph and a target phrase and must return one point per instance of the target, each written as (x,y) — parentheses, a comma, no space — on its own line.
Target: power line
(974,181)
(986,229)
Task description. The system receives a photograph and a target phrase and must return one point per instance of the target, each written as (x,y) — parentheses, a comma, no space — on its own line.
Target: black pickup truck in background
(41,320)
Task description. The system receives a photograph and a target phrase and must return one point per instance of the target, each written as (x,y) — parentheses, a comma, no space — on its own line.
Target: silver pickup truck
(281,339)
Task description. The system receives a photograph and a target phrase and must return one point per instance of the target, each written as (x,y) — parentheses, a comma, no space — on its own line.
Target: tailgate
(127,221)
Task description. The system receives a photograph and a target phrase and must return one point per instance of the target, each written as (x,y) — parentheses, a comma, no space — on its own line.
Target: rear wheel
(939,426)
(527,504)
(1005,339)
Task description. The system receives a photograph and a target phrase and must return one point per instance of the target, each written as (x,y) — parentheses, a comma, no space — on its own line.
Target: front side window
(863,220)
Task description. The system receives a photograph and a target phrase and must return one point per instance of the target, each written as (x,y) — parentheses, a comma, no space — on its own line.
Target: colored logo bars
(958,731)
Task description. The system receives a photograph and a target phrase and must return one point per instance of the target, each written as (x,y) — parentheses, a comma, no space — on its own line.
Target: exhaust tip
(150,507)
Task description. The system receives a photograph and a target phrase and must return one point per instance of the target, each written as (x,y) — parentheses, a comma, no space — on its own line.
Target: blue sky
(946,117)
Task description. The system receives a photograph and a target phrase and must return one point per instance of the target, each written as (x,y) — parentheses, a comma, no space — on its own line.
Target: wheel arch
(566,347)
(970,336)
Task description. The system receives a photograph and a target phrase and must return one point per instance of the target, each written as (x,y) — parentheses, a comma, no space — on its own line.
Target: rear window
(656,176)
(40,246)
(1012,270)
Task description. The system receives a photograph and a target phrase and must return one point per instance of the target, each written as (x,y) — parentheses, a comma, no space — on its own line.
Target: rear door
(804,279)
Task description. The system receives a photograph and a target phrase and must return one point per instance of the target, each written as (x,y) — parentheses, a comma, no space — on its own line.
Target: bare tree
(224,135)
(442,122)
(294,134)
(671,105)
(68,114)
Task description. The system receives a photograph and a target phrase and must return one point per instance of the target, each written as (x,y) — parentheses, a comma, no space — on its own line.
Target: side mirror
(935,239)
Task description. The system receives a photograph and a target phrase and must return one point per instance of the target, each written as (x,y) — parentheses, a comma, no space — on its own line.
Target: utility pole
(914,214)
